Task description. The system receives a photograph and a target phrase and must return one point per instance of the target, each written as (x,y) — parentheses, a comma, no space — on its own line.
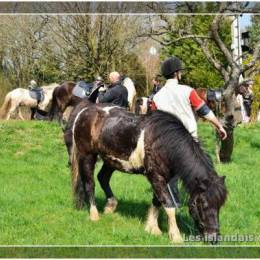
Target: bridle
(200,218)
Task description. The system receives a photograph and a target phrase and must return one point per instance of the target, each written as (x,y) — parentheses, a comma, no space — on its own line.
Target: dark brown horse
(157,146)
(61,99)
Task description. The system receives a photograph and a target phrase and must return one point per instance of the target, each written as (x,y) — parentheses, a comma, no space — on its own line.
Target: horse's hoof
(110,205)
(176,238)
(94,216)
(154,230)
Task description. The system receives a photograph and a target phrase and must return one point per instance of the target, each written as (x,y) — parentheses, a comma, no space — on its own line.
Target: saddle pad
(79,92)
(211,95)
(214,95)
(37,94)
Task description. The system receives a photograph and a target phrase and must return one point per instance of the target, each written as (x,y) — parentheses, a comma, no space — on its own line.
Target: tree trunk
(226,147)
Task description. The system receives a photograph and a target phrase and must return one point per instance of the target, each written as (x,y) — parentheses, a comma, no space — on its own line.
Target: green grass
(36,202)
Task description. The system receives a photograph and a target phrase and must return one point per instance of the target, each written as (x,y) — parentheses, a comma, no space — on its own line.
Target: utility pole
(236,41)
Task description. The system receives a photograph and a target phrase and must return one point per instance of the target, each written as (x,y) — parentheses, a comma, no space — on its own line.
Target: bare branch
(216,37)
(216,63)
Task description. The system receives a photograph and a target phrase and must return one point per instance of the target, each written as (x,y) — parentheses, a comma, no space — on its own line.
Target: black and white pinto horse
(157,146)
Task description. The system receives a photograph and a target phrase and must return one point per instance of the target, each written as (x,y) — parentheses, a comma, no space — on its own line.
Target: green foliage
(130,66)
(256,91)
(36,201)
(255,30)
(199,73)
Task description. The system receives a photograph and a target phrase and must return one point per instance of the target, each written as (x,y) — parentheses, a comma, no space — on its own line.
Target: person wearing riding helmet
(98,81)
(32,85)
(180,101)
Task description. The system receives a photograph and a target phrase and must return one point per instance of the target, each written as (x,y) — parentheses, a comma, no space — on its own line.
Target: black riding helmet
(171,65)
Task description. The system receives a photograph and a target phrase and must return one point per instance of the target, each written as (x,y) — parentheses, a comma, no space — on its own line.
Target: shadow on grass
(139,210)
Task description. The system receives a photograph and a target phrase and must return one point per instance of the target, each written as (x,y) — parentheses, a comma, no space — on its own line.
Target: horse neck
(198,169)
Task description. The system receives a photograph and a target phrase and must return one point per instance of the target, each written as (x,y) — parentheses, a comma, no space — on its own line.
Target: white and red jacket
(179,100)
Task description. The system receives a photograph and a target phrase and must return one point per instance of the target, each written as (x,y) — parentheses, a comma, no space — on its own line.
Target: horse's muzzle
(211,238)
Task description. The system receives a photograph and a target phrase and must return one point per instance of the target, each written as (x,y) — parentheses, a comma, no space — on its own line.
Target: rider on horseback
(32,85)
(116,92)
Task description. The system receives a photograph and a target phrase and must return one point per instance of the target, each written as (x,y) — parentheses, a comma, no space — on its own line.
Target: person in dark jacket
(156,84)
(116,93)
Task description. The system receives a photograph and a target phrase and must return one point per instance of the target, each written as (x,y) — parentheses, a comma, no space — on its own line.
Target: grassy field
(36,201)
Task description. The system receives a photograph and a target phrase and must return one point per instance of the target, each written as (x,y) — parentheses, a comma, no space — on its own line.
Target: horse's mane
(187,159)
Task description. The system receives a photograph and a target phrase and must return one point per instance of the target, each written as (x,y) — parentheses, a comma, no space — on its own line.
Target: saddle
(82,89)
(37,93)
(214,95)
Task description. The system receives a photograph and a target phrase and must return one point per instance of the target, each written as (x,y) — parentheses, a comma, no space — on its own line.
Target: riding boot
(173,189)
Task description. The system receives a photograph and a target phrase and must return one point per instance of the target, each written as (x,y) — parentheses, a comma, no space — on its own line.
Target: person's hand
(101,89)
(222,132)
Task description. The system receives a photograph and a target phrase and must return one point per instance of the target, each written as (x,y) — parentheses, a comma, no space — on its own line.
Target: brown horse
(61,99)
(157,146)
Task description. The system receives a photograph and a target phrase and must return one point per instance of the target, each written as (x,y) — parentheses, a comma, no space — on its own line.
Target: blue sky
(245,20)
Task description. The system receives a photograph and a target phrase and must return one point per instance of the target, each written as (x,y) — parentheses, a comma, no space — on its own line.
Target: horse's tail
(77,185)
(133,104)
(53,112)
(129,84)
(5,107)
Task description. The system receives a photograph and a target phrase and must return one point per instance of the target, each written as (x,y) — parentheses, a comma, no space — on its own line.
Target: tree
(199,73)
(220,56)
(91,45)
(21,44)
(53,49)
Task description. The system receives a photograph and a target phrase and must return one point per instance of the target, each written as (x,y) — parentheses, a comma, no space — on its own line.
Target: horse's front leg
(161,192)
(104,177)
(68,139)
(86,168)
(33,111)
(20,113)
(152,218)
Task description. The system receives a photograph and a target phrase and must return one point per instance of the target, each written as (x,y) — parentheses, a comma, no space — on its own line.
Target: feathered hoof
(93,215)
(176,238)
(152,229)
(110,205)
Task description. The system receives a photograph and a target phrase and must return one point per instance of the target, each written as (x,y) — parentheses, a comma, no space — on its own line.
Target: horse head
(204,206)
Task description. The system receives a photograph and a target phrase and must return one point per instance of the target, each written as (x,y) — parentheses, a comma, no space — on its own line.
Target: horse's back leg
(12,110)
(86,169)
(104,177)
